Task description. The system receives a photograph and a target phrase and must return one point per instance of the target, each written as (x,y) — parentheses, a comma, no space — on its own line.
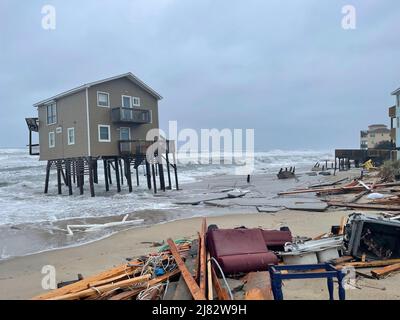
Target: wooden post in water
(176,177)
(148,175)
(95,174)
(137,176)
(74,170)
(161,174)
(109,172)
(68,173)
(153,172)
(168,170)
(91,178)
(105,165)
(46,183)
(121,173)
(128,174)
(81,175)
(59,177)
(117,175)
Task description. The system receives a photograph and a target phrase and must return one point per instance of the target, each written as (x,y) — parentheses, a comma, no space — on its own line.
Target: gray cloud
(285,68)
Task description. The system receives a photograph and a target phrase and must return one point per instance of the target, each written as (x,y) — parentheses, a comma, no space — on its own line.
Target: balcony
(134,147)
(130,115)
(392,112)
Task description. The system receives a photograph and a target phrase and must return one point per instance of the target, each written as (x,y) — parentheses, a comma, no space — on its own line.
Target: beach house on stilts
(106,121)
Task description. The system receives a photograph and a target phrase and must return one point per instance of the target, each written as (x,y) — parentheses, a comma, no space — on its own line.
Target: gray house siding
(102,115)
(71,113)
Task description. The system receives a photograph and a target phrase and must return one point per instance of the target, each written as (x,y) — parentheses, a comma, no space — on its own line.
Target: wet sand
(20,278)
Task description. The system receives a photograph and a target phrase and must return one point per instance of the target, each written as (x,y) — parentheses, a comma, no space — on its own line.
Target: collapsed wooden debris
(213,267)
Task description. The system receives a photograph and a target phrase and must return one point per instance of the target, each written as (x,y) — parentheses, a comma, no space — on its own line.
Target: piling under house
(106,121)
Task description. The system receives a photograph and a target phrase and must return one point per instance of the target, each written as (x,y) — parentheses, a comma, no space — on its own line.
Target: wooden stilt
(81,177)
(68,173)
(109,172)
(137,176)
(153,172)
(105,165)
(91,178)
(128,174)
(74,171)
(176,177)
(95,173)
(117,175)
(59,177)
(148,175)
(63,174)
(161,174)
(168,171)
(122,173)
(46,183)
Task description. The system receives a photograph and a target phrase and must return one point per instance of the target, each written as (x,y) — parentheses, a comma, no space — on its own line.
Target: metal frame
(303,272)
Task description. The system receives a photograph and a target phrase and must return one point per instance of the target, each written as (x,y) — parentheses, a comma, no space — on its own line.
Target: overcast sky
(286,68)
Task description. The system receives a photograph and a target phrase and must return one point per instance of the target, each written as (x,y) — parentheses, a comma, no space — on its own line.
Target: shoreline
(20,277)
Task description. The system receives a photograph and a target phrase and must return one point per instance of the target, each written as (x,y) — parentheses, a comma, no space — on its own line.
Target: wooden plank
(343,222)
(258,286)
(85,283)
(342,259)
(379,273)
(203,257)
(192,285)
(129,294)
(101,289)
(347,188)
(210,294)
(182,291)
(364,206)
(371,264)
(197,266)
(222,294)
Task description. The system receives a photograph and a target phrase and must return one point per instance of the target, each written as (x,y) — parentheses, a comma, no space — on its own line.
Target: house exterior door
(125,135)
(127,111)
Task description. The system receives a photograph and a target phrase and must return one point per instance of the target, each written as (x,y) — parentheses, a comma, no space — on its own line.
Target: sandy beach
(20,278)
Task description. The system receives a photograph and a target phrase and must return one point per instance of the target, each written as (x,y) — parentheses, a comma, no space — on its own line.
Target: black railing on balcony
(130,147)
(130,115)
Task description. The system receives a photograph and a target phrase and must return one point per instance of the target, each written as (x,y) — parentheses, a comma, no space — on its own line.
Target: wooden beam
(203,257)
(101,289)
(221,292)
(343,222)
(371,264)
(258,286)
(129,294)
(380,273)
(364,206)
(85,283)
(192,285)
(210,287)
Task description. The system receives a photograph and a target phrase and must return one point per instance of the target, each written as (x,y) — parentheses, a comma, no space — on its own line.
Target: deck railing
(130,115)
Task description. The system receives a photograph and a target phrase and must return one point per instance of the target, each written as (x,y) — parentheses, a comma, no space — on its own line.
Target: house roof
(397,91)
(128,75)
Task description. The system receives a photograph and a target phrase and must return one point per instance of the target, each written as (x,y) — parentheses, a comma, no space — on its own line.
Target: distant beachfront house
(394,113)
(103,120)
(375,134)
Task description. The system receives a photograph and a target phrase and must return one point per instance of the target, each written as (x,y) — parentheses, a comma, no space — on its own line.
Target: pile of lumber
(181,270)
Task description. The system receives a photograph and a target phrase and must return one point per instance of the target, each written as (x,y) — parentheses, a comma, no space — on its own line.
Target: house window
(126,102)
(135,101)
(103,99)
(71,136)
(104,133)
(51,113)
(52,139)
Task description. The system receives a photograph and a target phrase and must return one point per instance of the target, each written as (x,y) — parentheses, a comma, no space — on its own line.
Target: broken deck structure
(344,157)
